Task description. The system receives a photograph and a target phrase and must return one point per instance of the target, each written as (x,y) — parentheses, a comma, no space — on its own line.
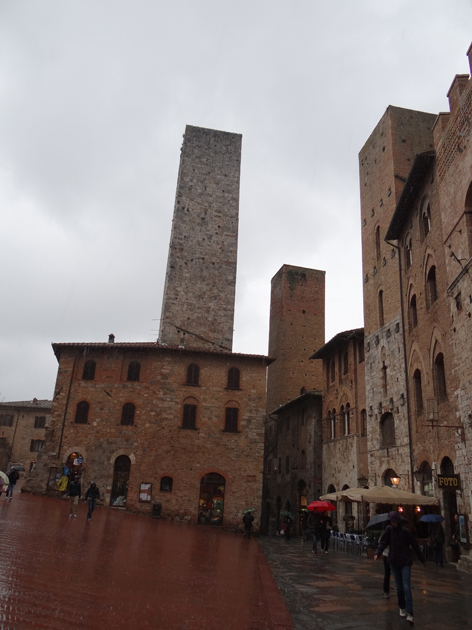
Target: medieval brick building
(416,204)
(181,420)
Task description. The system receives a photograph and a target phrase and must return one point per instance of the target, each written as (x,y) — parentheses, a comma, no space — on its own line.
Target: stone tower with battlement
(199,292)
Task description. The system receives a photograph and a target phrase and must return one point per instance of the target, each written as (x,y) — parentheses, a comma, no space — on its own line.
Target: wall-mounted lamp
(395,481)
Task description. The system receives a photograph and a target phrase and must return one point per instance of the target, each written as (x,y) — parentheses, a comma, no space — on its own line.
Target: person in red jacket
(400,542)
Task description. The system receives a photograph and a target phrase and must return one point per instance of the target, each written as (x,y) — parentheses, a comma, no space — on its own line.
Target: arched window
(363,423)
(408,253)
(377,243)
(440,378)
(387,430)
(333,424)
(426,483)
(431,287)
(193,375)
(381,308)
(387,477)
(189,418)
(81,412)
(418,392)
(412,313)
(166,484)
(347,413)
(127,414)
(345,363)
(425,219)
(233,378)
(89,370)
(231,418)
(134,368)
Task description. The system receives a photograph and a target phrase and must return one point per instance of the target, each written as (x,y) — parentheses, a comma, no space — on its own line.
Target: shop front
(119,489)
(211,501)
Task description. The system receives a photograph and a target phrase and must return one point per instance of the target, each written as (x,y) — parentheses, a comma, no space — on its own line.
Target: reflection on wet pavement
(339,591)
(126,571)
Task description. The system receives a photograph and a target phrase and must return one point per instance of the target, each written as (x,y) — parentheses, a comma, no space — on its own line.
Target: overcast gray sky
(94,99)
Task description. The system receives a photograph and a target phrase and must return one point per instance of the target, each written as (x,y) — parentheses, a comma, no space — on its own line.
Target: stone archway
(119,489)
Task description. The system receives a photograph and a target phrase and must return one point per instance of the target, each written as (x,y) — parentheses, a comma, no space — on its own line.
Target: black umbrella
(379,519)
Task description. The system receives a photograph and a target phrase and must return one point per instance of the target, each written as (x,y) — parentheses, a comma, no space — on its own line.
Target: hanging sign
(449,482)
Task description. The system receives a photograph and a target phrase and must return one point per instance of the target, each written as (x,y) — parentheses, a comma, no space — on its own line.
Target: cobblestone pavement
(124,571)
(338,591)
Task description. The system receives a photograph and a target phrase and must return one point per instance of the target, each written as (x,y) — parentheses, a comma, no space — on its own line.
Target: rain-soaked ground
(338,591)
(124,571)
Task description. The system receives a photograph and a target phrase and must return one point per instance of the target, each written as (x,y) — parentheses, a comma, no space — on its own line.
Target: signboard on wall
(145,492)
(449,482)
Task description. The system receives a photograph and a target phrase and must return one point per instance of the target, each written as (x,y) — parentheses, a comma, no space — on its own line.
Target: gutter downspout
(66,406)
(408,411)
(14,434)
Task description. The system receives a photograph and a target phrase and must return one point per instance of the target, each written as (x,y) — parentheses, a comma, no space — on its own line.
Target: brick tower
(199,292)
(297,328)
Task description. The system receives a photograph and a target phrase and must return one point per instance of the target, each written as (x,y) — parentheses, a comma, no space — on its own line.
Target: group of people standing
(13,477)
(318,528)
(92,495)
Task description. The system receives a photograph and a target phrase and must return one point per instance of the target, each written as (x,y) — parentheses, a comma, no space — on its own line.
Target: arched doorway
(119,489)
(211,502)
(302,511)
(75,464)
(449,499)
(387,477)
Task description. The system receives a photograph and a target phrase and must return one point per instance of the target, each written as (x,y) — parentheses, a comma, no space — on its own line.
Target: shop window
(381,308)
(6,420)
(231,419)
(81,412)
(40,422)
(440,378)
(193,375)
(134,369)
(166,484)
(412,313)
(431,286)
(363,423)
(88,373)
(211,500)
(233,378)
(387,430)
(418,392)
(189,420)
(127,414)
(36,445)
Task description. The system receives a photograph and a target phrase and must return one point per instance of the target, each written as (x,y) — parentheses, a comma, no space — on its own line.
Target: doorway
(119,489)
(211,501)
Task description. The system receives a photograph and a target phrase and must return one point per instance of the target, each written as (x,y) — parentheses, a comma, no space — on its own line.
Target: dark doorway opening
(119,490)
(211,502)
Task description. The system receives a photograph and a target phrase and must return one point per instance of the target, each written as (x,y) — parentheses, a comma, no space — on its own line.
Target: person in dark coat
(92,496)
(400,542)
(248,519)
(75,490)
(287,526)
(13,477)
(437,543)
(325,532)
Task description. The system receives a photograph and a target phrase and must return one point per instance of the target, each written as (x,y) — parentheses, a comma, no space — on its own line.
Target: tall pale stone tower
(199,292)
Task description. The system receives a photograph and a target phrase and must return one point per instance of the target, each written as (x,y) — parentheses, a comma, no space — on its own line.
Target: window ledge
(191,385)
(225,431)
(188,428)
(233,389)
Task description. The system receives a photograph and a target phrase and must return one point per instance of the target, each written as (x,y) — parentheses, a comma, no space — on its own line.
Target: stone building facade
(180,420)
(416,204)
(23,431)
(344,426)
(198,304)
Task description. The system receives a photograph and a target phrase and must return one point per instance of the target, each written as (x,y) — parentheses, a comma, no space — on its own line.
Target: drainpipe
(66,406)
(14,434)
(408,411)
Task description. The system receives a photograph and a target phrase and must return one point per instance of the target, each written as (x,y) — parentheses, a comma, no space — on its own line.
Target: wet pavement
(338,591)
(122,571)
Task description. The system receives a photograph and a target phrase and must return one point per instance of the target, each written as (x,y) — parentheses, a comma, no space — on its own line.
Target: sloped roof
(338,340)
(29,404)
(310,394)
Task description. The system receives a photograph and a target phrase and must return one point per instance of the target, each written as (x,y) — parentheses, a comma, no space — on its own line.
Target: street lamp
(395,481)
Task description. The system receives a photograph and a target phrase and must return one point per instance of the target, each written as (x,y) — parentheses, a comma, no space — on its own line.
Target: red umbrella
(321,506)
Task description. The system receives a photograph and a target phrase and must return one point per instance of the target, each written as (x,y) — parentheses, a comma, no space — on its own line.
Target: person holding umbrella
(4,481)
(248,519)
(13,477)
(437,537)
(400,542)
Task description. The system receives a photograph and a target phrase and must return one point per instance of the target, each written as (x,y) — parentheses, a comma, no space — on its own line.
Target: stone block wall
(198,303)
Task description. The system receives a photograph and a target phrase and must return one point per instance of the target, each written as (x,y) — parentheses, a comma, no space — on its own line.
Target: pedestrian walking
(75,490)
(248,519)
(437,541)
(325,532)
(286,526)
(13,477)
(92,496)
(311,531)
(387,570)
(400,542)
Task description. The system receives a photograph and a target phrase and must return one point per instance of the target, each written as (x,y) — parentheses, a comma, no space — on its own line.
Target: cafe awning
(379,494)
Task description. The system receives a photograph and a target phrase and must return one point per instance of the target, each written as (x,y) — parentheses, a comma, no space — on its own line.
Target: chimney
(35,401)
(111,338)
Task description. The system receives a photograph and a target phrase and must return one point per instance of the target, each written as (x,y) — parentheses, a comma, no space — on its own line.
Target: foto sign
(449,482)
